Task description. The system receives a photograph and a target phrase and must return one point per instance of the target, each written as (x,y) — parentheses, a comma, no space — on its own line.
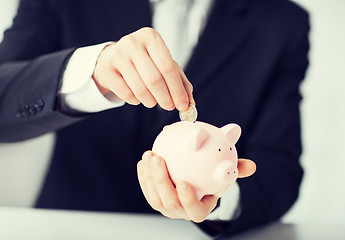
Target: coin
(190,114)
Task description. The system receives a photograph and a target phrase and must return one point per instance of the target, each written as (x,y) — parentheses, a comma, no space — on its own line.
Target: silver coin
(190,114)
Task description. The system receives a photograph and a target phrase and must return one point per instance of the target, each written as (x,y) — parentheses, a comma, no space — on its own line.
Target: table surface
(27,223)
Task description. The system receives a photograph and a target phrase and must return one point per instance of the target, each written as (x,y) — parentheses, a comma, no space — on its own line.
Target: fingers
(195,209)
(161,194)
(165,188)
(134,81)
(117,85)
(153,80)
(188,86)
(148,190)
(169,69)
(157,187)
(139,69)
(180,202)
(246,168)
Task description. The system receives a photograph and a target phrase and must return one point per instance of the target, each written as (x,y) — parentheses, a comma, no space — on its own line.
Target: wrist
(96,72)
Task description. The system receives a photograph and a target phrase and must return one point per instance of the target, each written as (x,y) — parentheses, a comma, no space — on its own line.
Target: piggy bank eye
(230,148)
(219,149)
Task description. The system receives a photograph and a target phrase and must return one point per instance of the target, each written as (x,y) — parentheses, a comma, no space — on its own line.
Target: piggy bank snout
(226,172)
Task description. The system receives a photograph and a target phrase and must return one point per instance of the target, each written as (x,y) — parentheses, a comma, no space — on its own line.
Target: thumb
(246,168)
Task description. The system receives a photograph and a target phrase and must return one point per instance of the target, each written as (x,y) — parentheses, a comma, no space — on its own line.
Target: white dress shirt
(79,92)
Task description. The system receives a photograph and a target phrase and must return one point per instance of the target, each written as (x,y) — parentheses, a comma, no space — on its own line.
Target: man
(245,68)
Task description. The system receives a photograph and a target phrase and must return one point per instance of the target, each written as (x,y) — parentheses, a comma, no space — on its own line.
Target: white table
(307,231)
(35,224)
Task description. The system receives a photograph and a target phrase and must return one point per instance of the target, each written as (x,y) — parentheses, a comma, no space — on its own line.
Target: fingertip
(139,164)
(147,155)
(150,105)
(188,86)
(251,165)
(134,102)
(192,101)
(246,168)
(171,108)
(183,106)
(140,169)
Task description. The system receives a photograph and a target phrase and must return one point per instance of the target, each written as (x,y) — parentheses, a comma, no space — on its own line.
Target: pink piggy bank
(201,154)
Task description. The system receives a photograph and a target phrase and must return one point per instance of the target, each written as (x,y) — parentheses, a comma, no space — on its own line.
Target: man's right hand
(140,69)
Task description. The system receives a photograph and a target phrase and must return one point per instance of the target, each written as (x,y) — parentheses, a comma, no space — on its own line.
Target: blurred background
(322,196)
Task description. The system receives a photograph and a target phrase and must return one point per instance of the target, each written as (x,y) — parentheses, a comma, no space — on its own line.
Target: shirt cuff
(229,207)
(79,93)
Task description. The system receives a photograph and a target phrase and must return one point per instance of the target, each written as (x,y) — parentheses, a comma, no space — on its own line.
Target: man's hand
(139,69)
(180,202)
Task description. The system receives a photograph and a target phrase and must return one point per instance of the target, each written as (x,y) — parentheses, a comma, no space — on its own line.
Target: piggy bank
(201,154)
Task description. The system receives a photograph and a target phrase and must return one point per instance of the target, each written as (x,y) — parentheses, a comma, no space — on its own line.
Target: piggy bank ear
(232,132)
(198,138)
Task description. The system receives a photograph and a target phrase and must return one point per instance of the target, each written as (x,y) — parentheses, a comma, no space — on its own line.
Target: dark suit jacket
(246,69)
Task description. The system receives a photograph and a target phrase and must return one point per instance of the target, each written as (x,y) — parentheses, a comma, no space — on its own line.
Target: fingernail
(155,161)
(172,107)
(193,102)
(183,106)
(147,156)
(183,187)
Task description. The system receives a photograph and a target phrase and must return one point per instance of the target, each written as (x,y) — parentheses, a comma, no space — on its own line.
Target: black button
(25,113)
(27,106)
(32,110)
(39,104)
(19,115)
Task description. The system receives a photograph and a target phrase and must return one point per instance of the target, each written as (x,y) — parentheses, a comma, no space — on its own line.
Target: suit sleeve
(274,143)
(31,63)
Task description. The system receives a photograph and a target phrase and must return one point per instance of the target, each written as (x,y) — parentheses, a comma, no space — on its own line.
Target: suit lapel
(227,29)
